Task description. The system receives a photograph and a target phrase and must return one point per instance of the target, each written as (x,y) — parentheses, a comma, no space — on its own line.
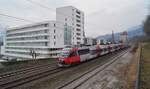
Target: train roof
(89,47)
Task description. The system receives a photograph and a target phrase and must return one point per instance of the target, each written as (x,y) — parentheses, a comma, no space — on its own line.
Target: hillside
(132,32)
(135,31)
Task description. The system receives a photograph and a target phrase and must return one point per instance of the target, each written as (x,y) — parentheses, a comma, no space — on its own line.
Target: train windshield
(65,53)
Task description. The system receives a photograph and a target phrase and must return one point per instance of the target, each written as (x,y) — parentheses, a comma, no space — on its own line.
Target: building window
(65,19)
(78,21)
(45,31)
(45,25)
(78,42)
(78,38)
(54,30)
(54,25)
(77,16)
(78,25)
(54,37)
(78,29)
(66,24)
(78,34)
(54,43)
(77,11)
(36,37)
(45,37)
(45,43)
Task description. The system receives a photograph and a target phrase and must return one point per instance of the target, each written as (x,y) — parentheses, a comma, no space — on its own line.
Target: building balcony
(41,47)
(28,36)
(28,30)
(28,41)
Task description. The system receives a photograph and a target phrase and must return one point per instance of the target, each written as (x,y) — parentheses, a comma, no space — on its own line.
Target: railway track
(78,81)
(8,79)
(24,80)
(14,81)
(23,70)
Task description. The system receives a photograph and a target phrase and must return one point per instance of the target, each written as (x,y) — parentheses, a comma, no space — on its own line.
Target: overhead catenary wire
(25,20)
(31,21)
(17,18)
(20,19)
(46,7)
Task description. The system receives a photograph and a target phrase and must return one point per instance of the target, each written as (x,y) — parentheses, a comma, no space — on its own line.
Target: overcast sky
(101,16)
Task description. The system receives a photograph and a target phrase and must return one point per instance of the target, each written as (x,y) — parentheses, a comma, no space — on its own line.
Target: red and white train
(73,55)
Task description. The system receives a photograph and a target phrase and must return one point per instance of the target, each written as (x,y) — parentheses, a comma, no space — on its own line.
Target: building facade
(73,24)
(46,39)
(34,41)
(90,41)
(124,37)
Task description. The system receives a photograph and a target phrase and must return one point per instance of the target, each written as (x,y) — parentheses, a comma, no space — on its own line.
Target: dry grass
(145,69)
(127,73)
(132,70)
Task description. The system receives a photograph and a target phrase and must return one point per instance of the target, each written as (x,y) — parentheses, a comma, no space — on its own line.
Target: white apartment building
(73,24)
(44,39)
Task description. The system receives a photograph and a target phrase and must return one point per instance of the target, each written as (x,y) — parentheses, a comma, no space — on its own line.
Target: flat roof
(31,24)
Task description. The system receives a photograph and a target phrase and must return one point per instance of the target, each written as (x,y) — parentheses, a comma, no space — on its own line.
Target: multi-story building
(45,39)
(34,41)
(90,41)
(73,24)
(124,37)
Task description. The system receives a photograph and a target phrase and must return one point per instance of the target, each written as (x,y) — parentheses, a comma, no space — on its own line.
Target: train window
(93,52)
(83,51)
(72,54)
(103,49)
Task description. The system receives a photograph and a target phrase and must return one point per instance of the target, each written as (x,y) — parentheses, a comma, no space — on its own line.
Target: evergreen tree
(147,26)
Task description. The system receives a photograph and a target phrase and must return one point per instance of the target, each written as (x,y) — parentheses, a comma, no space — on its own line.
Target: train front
(63,57)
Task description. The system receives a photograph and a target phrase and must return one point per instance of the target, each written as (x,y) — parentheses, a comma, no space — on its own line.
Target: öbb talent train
(73,55)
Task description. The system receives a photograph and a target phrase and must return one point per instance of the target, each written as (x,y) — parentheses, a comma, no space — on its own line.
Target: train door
(98,51)
(93,52)
(103,51)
